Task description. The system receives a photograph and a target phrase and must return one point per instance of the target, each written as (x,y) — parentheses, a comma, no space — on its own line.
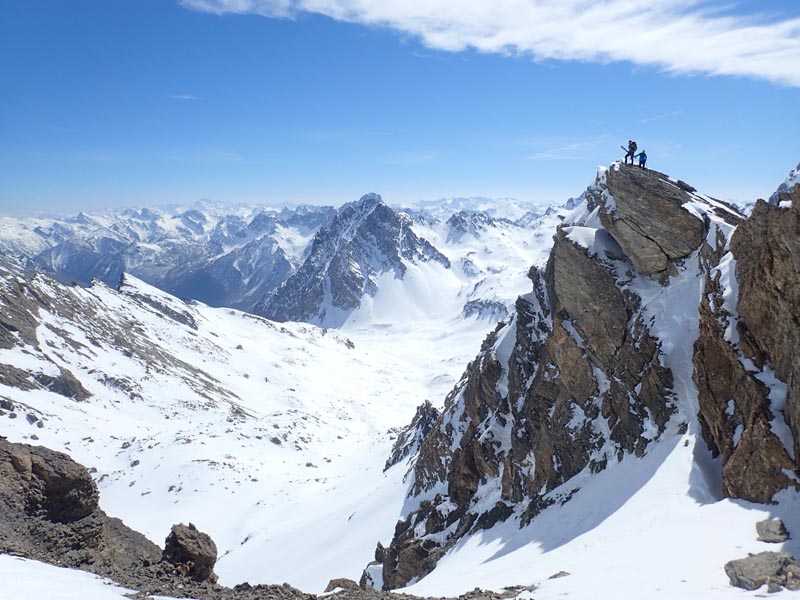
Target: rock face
(364,240)
(747,368)
(49,512)
(573,382)
(191,550)
(578,379)
(410,437)
(645,215)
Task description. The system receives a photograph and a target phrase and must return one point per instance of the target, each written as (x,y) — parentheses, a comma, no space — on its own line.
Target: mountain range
(595,401)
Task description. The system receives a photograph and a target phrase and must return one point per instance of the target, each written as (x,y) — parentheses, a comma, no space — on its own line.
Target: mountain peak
(655,220)
(370,199)
(364,240)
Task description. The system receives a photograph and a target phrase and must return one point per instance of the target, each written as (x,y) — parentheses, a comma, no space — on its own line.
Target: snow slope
(23,579)
(240,425)
(271,437)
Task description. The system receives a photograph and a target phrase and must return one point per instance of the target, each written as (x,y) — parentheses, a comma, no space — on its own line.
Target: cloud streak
(667,115)
(566,151)
(686,37)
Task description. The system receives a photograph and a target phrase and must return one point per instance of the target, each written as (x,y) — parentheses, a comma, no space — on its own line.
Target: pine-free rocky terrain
(598,401)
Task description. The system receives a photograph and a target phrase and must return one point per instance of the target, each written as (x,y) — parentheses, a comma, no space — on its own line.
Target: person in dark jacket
(631,151)
(642,160)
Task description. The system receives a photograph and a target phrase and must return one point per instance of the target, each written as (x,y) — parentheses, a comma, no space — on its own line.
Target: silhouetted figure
(631,152)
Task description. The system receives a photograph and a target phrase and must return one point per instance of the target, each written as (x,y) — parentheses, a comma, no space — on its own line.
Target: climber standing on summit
(642,160)
(631,151)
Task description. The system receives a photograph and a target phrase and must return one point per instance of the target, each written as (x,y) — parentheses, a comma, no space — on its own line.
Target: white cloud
(182,97)
(679,36)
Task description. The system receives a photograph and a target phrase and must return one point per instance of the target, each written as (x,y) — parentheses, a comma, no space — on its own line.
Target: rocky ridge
(579,378)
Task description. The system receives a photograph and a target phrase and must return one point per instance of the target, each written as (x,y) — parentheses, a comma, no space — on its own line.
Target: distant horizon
(153,102)
(183,206)
(279,205)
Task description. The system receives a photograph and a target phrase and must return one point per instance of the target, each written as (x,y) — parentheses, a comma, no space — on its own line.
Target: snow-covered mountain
(785,189)
(498,208)
(366,240)
(618,434)
(223,257)
(330,260)
(373,264)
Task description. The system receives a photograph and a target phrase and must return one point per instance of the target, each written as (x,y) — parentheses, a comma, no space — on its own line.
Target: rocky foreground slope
(49,512)
(659,309)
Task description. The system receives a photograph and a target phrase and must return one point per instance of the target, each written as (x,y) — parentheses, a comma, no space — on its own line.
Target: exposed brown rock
(735,407)
(193,551)
(648,220)
(767,251)
(410,437)
(341,583)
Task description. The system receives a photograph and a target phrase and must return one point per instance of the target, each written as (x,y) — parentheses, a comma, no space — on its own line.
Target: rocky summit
(587,373)
(365,240)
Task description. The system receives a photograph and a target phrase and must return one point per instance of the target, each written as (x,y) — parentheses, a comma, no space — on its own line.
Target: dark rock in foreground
(49,513)
(193,551)
(772,531)
(775,569)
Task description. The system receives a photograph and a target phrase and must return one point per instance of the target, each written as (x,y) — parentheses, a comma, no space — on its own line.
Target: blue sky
(146,102)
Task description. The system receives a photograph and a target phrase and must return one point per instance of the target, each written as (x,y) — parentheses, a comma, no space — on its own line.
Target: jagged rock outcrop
(747,368)
(364,240)
(575,381)
(410,437)
(647,218)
